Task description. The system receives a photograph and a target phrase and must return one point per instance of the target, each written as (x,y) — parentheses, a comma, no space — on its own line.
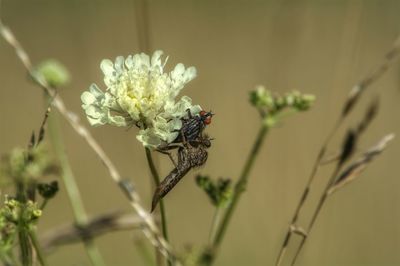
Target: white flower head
(140,93)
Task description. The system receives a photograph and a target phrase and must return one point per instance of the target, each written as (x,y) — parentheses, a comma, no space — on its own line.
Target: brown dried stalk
(355,94)
(151,230)
(362,126)
(338,181)
(96,226)
(356,168)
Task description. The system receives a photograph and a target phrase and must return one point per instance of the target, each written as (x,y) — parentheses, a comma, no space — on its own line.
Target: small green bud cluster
(15,216)
(23,165)
(270,105)
(17,212)
(53,72)
(219,192)
(7,236)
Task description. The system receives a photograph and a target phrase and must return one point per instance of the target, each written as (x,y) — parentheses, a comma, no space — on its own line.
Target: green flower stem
(240,187)
(215,223)
(94,253)
(36,246)
(24,246)
(156,179)
(145,253)
(44,203)
(72,189)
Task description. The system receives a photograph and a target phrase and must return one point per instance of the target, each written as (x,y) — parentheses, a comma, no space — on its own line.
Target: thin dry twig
(338,181)
(151,230)
(354,95)
(369,115)
(357,167)
(96,226)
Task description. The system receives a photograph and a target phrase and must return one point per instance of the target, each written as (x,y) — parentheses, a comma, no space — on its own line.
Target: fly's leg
(185,143)
(189,113)
(169,155)
(185,146)
(166,149)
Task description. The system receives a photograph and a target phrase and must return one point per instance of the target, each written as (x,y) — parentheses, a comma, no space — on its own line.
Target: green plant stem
(214,224)
(36,246)
(72,189)
(144,252)
(156,179)
(23,237)
(239,187)
(94,253)
(44,203)
(25,246)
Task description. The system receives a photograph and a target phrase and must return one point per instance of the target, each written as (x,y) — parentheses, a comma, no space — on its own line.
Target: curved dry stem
(354,95)
(151,230)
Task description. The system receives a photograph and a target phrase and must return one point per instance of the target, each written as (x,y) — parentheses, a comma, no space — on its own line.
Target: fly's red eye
(203,113)
(207,121)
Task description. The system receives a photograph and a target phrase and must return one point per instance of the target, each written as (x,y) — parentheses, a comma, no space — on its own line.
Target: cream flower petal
(129,62)
(178,71)
(96,116)
(107,67)
(95,91)
(190,74)
(156,59)
(148,138)
(119,64)
(88,98)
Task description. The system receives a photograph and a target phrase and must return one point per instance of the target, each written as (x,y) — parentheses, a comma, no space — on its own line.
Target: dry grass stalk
(151,230)
(338,181)
(369,115)
(298,230)
(96,226)
(357,167)
(354,95)
(348,146)
(356,92)
(363,125)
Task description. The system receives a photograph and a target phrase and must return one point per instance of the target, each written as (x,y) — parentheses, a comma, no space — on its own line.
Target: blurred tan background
(319,47)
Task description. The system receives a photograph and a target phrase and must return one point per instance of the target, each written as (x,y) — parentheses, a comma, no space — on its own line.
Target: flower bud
(53,72)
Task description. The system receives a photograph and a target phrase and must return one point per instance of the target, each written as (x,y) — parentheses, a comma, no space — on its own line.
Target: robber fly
(190,155)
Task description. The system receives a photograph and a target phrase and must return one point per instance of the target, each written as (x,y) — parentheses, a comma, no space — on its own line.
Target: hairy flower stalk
(140,93)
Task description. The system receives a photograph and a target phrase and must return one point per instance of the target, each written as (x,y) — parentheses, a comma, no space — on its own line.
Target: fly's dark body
(190,133)
(189,156)
(193,126)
